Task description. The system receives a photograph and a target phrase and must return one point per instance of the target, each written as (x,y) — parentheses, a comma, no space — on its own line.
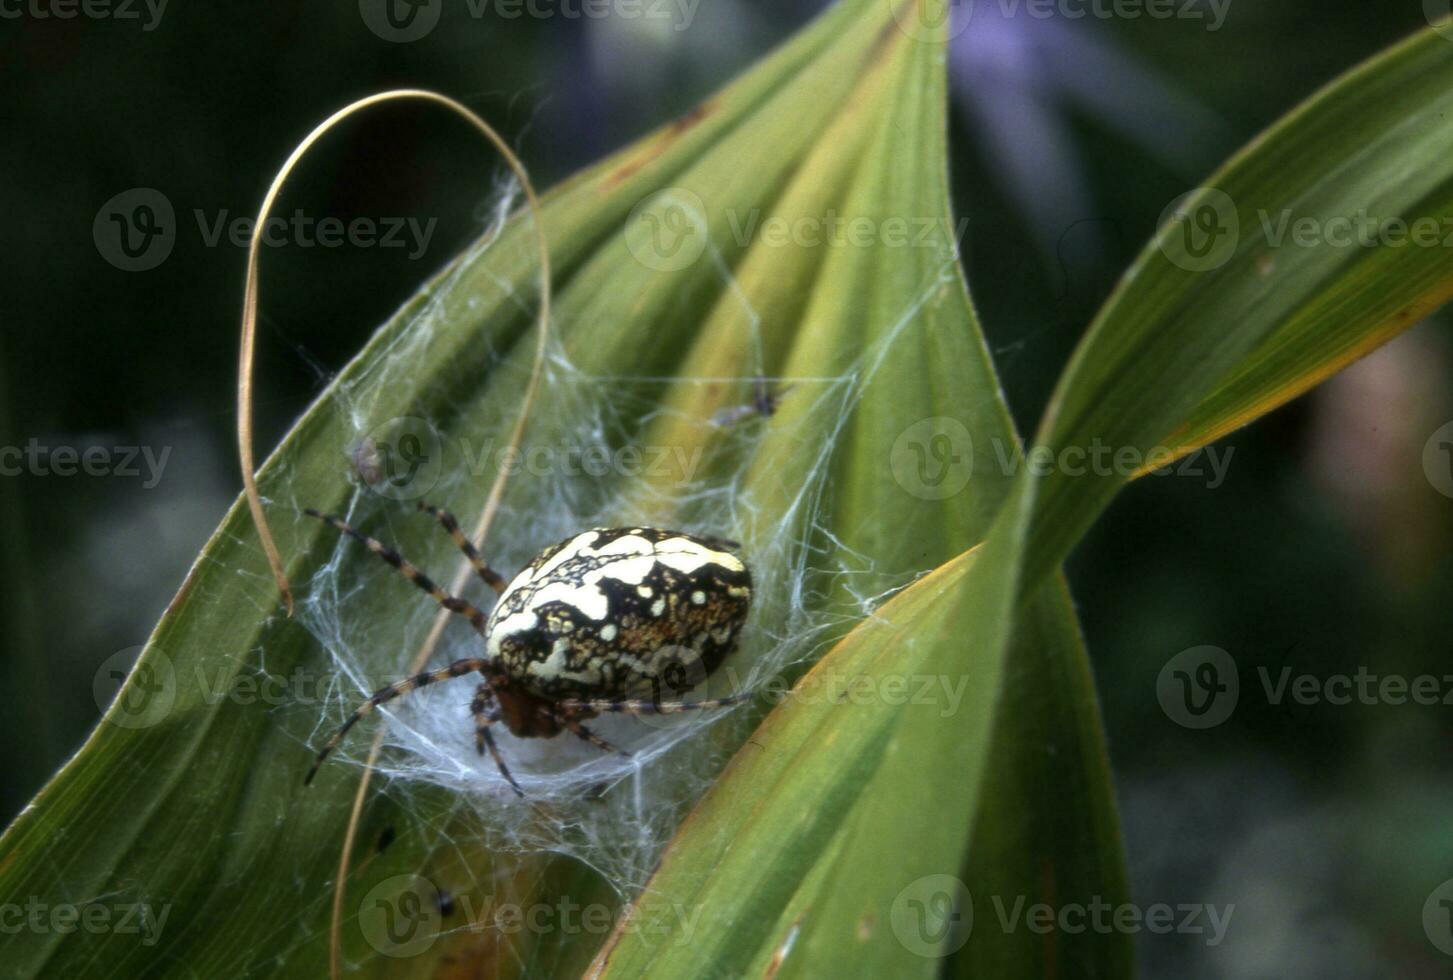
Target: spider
(594,624)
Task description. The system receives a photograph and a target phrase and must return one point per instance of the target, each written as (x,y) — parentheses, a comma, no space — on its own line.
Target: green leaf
(798,881)
(1191,347)
(188,799)
(1192,343)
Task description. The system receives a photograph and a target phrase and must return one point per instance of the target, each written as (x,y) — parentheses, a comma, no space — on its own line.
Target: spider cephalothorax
(608,620)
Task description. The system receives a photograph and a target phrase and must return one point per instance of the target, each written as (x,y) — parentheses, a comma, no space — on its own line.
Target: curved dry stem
(244,422)
(249,312)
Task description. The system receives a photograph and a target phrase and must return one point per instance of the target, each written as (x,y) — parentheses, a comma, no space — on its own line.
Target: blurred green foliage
(1325,549)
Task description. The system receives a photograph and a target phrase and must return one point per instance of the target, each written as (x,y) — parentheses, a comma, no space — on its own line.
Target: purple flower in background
(1022,73)
(1020,76)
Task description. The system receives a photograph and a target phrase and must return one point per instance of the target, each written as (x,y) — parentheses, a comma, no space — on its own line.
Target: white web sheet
(611,813)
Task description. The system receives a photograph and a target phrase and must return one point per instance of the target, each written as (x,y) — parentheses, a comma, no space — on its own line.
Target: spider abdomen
(620,613)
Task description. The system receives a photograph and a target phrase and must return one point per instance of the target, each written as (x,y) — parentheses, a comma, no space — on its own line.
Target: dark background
(1324,549)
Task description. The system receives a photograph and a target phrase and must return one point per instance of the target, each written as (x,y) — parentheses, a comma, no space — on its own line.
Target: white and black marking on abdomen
(620,612)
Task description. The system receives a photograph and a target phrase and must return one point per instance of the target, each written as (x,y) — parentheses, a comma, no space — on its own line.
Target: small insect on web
(592,625)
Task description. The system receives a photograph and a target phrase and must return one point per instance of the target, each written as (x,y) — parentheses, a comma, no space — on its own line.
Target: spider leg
(410,572)
(643,707)
(385,694)
(491,578)
(486,713)
(577,728)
